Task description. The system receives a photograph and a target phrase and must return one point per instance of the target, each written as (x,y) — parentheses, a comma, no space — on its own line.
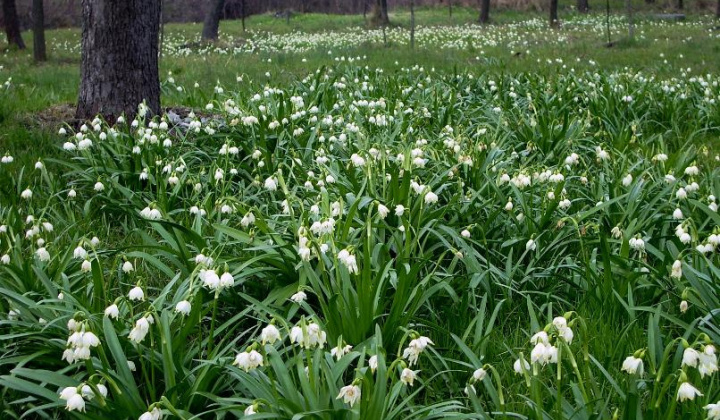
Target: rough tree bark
(211,26)
(38,15)
(553,13)
(717,10)
(12,24)
(583,6)
(484,11)
(381,12)
(119,58)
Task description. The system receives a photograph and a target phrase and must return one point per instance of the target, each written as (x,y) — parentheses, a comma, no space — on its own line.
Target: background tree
(211,26)
(381,12)
(583,6)
(553,13)
(717,10)
(12,24)
(119,58)
(484,11)
(38,15)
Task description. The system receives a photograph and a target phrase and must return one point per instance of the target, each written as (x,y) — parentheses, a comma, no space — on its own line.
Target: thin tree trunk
(717,10)
(119,58)
(583,6)
(631,29)
(38,15)
(680,5)
(553,13)
(211,26)
(484,11)
(12,24)
(412,24)
(450,7)
(242,12)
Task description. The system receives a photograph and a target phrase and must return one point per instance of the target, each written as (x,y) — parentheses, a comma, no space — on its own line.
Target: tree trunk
(381,12)
(484,11)
(119,58)
(631,29)
(12,24)
(717,10)
(212,20)
(242,12)
(38,15)
(412,24)
(450,7)
(553,13)
(680,5)
(583,6)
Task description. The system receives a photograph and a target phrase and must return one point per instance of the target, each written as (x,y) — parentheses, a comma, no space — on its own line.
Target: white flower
(357,160)
(127,267)
(530,245)
(248,360)
(138,333)
(687,392)
(681,194)
(399,210)
(75,403)
(86,266)
(68,392)
(465,233)
(632,365)
(210,279)
(269,334)
(683,306)
(350,394)
(5,259)
(373,363)
(408,376)
(227,280)
(298,297)
(112,311)
(713,411)
(270,184)
(311,337)
(708,362)
(431,198)
(479,375)
(99,186)
(136,293)
(348,259)
(677,214)
(183,307)
(627,180)
(540,337)
(543,353)
(26,194)
(383,211)
(80,253)
(340,351)
(676,271)
(521,365)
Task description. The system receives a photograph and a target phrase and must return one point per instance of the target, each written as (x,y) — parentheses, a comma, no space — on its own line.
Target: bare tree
(583,6)
(553,13)
(12,24)
(450,7)
(211,26)
(484,11)
(119,58)
(38,15)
